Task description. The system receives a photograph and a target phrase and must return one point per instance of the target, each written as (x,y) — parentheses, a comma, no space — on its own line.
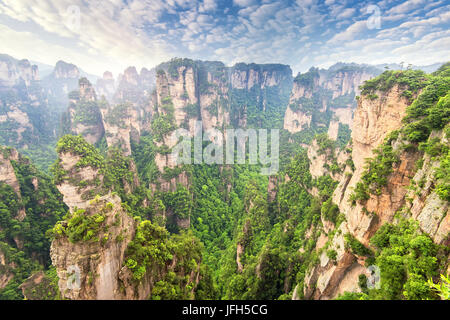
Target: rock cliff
(83,116)
(377,117)
(322,97)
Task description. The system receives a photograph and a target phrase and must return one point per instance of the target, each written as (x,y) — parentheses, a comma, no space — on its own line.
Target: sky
(112,35)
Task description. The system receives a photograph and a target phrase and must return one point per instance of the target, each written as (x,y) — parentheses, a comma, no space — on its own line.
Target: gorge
(88,184)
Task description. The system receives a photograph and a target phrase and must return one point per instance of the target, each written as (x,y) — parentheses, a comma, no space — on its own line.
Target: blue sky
(111,35)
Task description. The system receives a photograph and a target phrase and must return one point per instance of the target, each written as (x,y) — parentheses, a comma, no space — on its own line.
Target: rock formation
(375,117)
(329,91)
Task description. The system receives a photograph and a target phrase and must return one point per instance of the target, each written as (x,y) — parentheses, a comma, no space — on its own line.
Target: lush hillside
(362,186)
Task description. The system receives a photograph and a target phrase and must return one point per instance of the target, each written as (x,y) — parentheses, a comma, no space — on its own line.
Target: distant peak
(107,75)
(66,70)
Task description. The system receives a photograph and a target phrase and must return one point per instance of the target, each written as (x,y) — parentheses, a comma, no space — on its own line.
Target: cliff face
(376,116)
(89,246)
(105,86)
(247,76)
(14,72)
(329,91)
(58,84)
(425,205)
(83,115)
(94,248)
(129,104)
(90,269)
(9,177)
(134,87)
(25,110)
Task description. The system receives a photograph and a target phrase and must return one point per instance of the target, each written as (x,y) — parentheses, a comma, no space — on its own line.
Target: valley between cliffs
(363,186)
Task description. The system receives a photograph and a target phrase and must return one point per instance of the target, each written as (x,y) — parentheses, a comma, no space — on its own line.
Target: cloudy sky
(111,35)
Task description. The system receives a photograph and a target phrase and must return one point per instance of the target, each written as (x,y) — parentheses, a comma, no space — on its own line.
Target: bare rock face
(8,175)
(64,70)
(272,188)
(13,72)
(374,120)
(105,86)
(72,192)
(318,161)
(24,103)
(245,76)
(7,271)
(344,82)
(375,117)
(89,269)
(334,89)
(84,115)
(119,123)
(180,88)
(425,205)
(333,130)
(295,121)
(87,92)
(129,107)
(214,100)
(133,87)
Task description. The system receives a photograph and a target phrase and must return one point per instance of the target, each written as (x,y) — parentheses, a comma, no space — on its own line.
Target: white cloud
(243,3)
(346,13)
(350,33)
(114,35)
(406,6)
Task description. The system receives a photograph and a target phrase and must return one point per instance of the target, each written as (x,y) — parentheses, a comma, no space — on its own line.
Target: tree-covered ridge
(24,242)
(307,79)
(429,112)
(176,256)
(410,80)
(408,260)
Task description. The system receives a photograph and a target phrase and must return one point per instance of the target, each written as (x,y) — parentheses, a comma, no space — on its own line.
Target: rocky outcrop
(83,115)
(8,175)
(373,121)
(375,117)
(320,90)
(134,87)
(58,84)
(214,97)
(246,76)
(89,263)
(39,286)
(6,270)
(105,86)
(16,72)
(90,269)
(425,205)
(295,121)
(64,70)
(71,189)
(25,109)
